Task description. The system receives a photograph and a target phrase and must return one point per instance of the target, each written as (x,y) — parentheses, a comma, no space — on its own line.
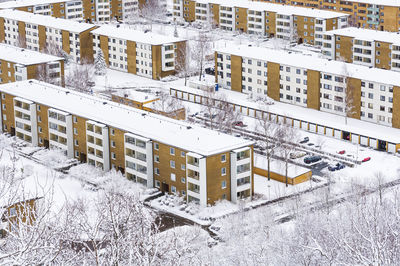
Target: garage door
(289,121)
(321,130)
(364,141)
(184,95)
(338,134)
(391,147)
(313,128)
(304,125)
(354,138)
(372,143)
(296,123)
(273,117)
(329,132)
(198,99)
(281,119)
(244,110)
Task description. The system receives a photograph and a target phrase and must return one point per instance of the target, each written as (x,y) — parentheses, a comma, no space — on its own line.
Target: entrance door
(165,187)
(46,143)
(82,157)
(382,145)
(12,131)
(345,135)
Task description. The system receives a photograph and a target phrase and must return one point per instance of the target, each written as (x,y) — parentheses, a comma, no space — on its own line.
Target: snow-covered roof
(16,190)
(355,126)
(156,127)
(24,56)
(135,95)
(367,34)
(126,33)
(380,2)
(23,3)
(47,21)
(279,167)
(281,9)
(314,63)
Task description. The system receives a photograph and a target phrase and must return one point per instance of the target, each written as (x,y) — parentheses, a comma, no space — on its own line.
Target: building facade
(80,10)
(265,19)
(38,33)
(144,54)
(200,164)
(68,9)
(381,15)
(355,91)
(18,64)
(363,46)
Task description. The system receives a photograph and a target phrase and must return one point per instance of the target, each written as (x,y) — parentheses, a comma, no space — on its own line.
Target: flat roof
(137,96)
(378,3)
(278,8)
(329,120)
(314,63)
(24,56)
(367,34)
(156,127)
(279,167)
(126,33)
(48,21)
(23,3)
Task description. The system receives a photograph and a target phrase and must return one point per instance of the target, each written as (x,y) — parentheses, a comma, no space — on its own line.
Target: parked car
(342,152)
(239,124)
(295,155)
(312,159)
(305,140)
(336,167)
(366,159)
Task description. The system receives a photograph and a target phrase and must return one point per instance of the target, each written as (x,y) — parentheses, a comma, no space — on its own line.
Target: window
(382,98)
(183,167)
(75,131)
(38,107)
(173,189)
(223,171)
(113,143)
(370,95)
(113,156)
(40,129)
(223,184)
(75,119)
(183,154)
(76,142)
(156,146)
(157,171)
(173,177)
(223,158)
(112,132)
(158,184)
(172,164)
(172,151)
(183,180)
(156,158)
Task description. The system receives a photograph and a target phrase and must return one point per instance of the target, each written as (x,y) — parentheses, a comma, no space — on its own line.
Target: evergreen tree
(100,65)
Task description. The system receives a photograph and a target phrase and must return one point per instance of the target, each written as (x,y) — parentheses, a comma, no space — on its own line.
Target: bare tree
(199,51)
(349,90)
(210,103)
(152,10)
(182,63)
(80,77)
(21,41)
(287,136)
(271,138)
(167,105)
(226,116)
(45,75)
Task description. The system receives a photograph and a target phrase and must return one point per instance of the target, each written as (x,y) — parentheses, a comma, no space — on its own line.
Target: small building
(296,174)
(18,64)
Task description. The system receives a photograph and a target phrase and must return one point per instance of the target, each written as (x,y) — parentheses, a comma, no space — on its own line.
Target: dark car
(336,167)
(312,159)
(305,140)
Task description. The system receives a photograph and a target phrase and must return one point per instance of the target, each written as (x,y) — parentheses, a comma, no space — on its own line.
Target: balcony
(193,161)
(194,188)
(193,174)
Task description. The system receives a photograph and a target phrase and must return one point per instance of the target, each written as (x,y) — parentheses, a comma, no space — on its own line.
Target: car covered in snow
(336,167)
(312,159)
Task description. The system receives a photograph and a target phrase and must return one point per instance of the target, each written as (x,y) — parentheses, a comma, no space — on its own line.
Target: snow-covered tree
(100,66)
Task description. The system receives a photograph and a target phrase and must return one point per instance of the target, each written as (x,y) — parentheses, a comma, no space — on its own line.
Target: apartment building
(68,9)
(37,32)
(200,164)
(380,49)
(284,22)
(379,15)
(144,54)
(18,64)
(81,10)
(360,92)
